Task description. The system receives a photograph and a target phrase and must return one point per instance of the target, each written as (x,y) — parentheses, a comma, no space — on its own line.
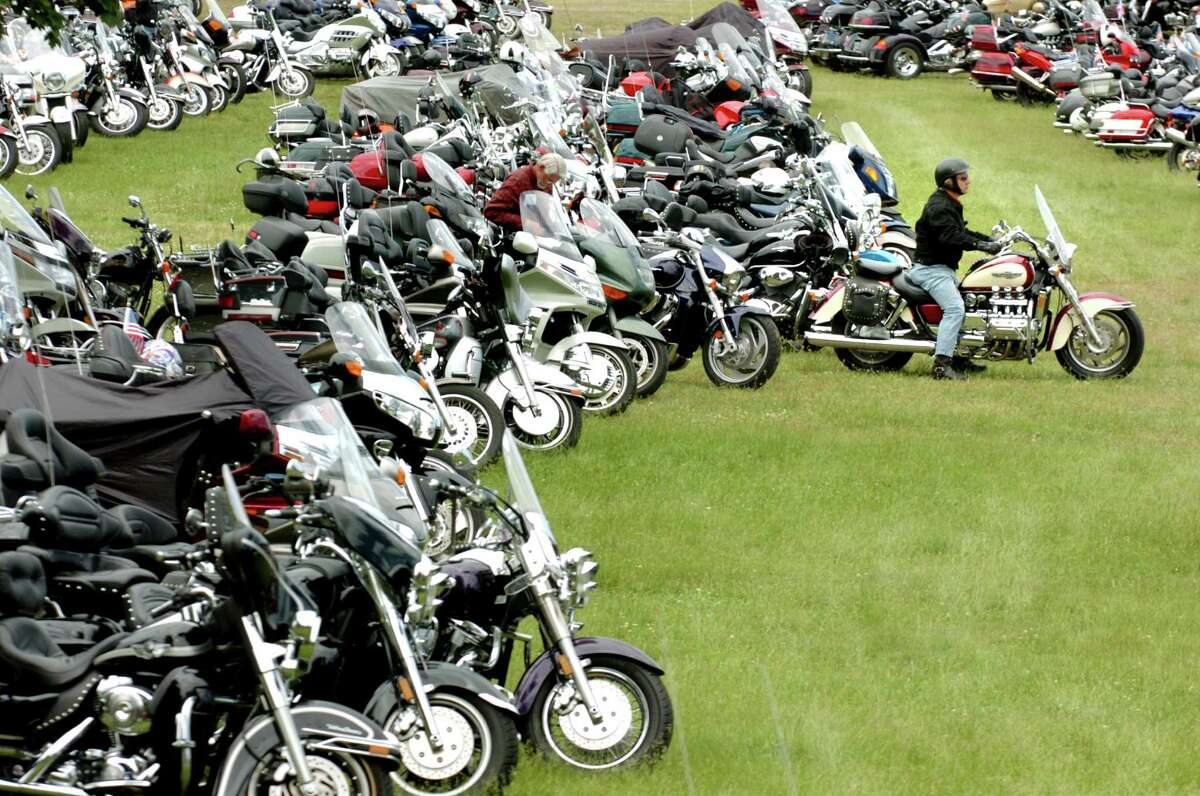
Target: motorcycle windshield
(734,64)
(854,135)
(10,295)
(216,12)
(839,174)
(446,178)
(598,220)
(18,222)
(1053,233)
(519,482)
(440,235)
(543,217)
(542,43)
(546,133)
(355,333)
(596,137)
(23,42)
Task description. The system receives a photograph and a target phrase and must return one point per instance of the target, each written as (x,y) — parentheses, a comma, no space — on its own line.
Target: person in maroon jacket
(504,208)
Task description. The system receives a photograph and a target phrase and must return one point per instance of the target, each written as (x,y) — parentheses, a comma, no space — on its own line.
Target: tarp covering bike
(656,45)
(388,96)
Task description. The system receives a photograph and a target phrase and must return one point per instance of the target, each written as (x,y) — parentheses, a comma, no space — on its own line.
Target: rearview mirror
(651,215)
(524,243)
(134,201)
(368,271)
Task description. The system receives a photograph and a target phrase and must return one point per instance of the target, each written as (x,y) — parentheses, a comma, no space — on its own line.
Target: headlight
(54,81)
(423,425)
(732,279)
(579,577)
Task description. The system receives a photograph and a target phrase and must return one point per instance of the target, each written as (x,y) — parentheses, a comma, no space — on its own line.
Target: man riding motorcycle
(942,236)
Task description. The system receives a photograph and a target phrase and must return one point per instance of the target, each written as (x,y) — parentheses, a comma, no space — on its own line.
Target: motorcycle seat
(878,270)
(727,228)
(913,294)
(64,518)
(23,593)
(312,224)
(703,153)
(38,456)
(115,359)
(31,661)
(750,221)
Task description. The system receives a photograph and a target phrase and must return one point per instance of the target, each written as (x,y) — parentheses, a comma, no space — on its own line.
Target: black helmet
(950,167)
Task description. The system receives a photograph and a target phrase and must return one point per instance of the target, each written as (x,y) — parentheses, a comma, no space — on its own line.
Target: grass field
(875,584)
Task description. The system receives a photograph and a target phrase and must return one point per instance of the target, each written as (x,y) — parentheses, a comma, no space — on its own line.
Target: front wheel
(804,82)
(334,774)
(477,427)
(219,96)
(391,65)
(905,62)
(121,119)
(637,717)
(613,368)
(295,83)
(554,421)
(196,100)
(1118,353)
(650,359)
(477,754)
(235,78)
(1182,158)
(43,150)
(165,114)
(8,156)
(752,358)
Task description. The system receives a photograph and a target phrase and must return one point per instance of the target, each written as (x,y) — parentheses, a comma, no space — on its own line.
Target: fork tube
(277,700)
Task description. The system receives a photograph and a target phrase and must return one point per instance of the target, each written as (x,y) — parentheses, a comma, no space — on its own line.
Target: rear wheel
(235,77)
(753,358)
(613,368)
(650,360)
(8,156)
(1115,356)
(42,151)
(1181,158)
(804,81)
(905,62)
(875,361)
(390,65)
(219,95)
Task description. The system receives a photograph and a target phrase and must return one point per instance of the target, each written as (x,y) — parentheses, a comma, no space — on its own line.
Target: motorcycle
(348,46)
(38,148)
(115,110)
(267,62)
(1017,305)
(592,702)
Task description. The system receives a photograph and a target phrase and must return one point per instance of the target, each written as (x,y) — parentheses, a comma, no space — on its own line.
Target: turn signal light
(881,44)
(614,294)
(255,424)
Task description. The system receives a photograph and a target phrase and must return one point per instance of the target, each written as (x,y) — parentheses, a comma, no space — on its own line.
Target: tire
(125,121)
(391,66)
(67,141)
(621,381)
(1003,96)
(617,683)
(456,524)
(758,342)
(219,96)
(479,440)
(506,25)
(335,772)
(678,363)
(905,62)
(494,740)
(650,361)
(872,361)
(8,157)
(197,101)
(165,114)
(903,252)
(162,325)
(1124,325)
(295,83)
(43,153)
(236,78)
(804,82)
(561,431)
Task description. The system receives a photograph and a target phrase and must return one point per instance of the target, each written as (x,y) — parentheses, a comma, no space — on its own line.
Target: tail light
(227,301)
(254,425)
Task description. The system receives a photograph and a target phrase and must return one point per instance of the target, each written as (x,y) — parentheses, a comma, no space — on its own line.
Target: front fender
(60,114)
(188,77)
(132,94)
(542,668)
(547,376)
(564,345)
(1092,304)
(631,324)
(170,92)
(734,317)
(321,725)
(441,676)
(897,237)
(233,55)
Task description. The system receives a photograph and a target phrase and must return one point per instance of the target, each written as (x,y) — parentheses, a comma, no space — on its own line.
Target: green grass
(864,583)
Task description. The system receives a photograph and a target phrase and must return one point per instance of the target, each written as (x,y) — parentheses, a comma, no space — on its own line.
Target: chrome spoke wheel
(622,729)
(1107,354)
(460,762)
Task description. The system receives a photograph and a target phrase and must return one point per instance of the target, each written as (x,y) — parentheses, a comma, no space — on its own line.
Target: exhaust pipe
(1153,146)
(1028,79)
(35,789)
(822,340)
(1180,137)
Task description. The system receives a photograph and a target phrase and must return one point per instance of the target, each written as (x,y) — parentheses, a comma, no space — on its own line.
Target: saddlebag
(866,301)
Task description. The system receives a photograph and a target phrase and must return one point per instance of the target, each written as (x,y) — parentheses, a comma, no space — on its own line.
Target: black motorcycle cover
(656,45)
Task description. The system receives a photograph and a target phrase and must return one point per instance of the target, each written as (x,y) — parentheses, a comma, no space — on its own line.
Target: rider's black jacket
(942,234)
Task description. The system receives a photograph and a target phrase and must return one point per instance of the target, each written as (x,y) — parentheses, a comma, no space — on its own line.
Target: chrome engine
(124,708)
(1005,315)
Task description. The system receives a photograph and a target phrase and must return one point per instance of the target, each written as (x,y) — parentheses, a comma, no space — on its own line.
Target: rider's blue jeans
(941,282)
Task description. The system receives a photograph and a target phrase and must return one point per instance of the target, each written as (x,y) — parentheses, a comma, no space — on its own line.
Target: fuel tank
(1007,271)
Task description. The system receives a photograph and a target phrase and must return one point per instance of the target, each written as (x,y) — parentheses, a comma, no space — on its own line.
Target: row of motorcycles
(245,547)
(1123,76)
(171,59)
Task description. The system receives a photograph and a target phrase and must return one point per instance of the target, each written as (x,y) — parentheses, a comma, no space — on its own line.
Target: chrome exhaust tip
(823,340)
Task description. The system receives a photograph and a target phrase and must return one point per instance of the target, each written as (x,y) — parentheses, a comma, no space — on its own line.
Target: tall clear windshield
(775,14)
(598,220)
(10,295)
(354,332)
(440,235)
(544,218)
(216,12)
(22,42)
(596,136)
(547,134)
(1053,233)
(445,177)
(318,434)
(542,42)
(519,481)
(840,177)
(15,220)
(734,64)
(854,135)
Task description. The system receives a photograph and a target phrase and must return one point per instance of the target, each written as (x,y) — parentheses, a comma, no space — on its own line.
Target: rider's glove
(990,246)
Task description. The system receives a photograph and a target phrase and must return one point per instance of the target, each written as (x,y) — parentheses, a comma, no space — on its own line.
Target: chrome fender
(831,307)
(564,345)
(59,114)
(133,95)
(441,676)
(1091,303)
(379,50)
(36,119)
(188,77)
(464,363)
(323,725)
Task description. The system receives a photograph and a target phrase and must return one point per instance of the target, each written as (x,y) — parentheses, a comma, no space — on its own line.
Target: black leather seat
(63,518)
(313,224)
(23,592)
(911,293)
(702,153)
(38,456)
(115,359)
(302,35)
(156,544)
